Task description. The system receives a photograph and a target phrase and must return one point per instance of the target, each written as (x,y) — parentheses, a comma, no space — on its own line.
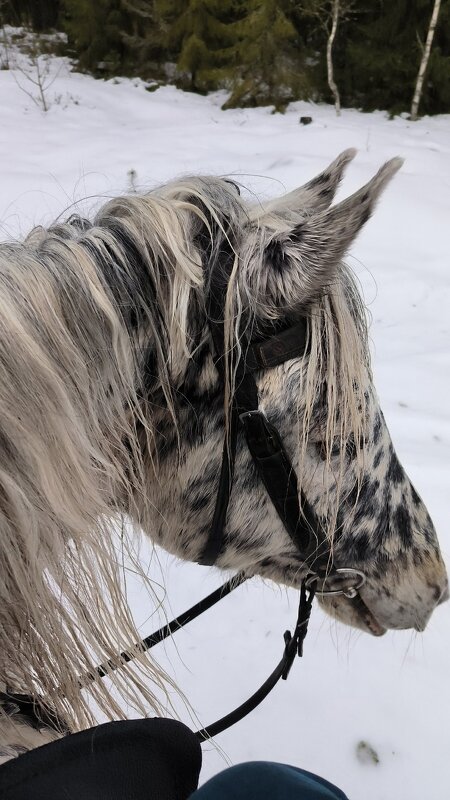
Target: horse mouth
(367,617)
(353,612)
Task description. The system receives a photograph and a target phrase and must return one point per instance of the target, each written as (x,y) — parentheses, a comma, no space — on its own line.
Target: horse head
(285,264)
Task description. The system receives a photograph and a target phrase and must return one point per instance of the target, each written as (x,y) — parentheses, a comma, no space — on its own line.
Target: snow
(352,699)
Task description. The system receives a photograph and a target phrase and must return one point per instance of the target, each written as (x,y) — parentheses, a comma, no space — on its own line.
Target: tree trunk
(331,81)
(425,59)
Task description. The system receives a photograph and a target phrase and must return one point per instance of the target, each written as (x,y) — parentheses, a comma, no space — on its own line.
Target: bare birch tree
(330,70)
(424,62)
(328,14)
(4,48)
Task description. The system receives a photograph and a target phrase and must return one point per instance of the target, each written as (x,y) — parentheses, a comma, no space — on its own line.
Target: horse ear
(316,195)
(303,258)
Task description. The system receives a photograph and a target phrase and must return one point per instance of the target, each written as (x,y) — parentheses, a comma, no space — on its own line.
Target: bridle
(274,467)
(278,476)
(264,441)
(267,451)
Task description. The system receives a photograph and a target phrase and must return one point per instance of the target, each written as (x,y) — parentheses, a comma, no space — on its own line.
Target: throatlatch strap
(214,544)
(245,398)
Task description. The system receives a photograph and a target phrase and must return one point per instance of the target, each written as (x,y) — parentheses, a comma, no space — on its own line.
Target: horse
(115,406)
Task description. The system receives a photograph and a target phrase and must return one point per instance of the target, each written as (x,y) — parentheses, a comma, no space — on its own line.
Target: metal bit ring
(321,582)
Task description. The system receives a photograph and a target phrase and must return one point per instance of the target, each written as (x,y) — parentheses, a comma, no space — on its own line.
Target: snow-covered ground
(351,692)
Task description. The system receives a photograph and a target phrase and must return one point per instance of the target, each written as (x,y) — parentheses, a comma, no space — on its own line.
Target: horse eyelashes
(322,450)
(336,449)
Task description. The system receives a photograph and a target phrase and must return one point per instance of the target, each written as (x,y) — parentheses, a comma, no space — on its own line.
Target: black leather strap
(173,626)
(291,343)
(293,645)
(215,541)
(277,475)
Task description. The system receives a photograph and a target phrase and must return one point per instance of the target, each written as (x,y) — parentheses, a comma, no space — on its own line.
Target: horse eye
(321,448)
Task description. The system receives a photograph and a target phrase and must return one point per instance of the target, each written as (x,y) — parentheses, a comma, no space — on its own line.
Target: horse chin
(353,612)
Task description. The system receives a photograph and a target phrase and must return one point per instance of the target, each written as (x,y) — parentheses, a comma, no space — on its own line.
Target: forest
(367,54)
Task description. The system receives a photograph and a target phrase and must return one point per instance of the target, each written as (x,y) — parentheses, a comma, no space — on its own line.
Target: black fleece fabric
(147,759)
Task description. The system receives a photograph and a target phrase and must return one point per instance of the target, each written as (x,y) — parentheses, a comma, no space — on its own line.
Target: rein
(40,715)
(293,645)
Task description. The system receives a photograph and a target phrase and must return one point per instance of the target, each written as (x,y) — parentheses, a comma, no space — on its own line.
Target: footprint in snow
(366,754)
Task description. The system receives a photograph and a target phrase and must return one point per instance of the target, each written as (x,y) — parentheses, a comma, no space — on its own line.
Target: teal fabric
(264,780)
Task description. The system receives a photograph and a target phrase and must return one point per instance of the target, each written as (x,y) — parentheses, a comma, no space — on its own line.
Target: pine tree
(270,71)
(202,38)
(95,34)
(143,39)
(263,51)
